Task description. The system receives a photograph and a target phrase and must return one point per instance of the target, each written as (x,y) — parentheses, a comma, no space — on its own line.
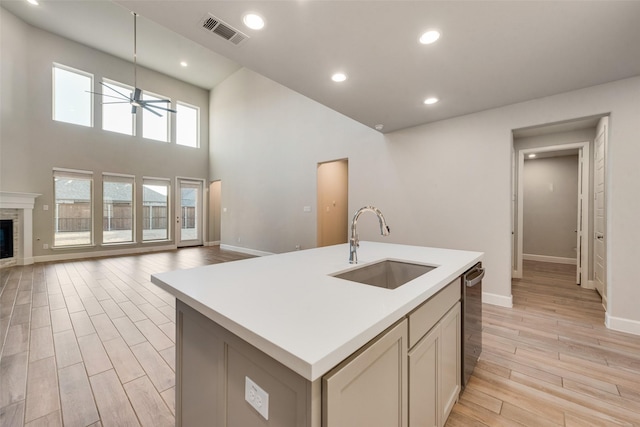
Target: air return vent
(222,29)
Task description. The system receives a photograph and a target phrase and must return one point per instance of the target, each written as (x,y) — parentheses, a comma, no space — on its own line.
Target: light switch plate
(257,397)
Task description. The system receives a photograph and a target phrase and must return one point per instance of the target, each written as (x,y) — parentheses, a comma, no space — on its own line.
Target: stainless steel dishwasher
(471,320)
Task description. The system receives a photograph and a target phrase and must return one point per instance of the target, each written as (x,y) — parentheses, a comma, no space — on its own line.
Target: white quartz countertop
(290,307)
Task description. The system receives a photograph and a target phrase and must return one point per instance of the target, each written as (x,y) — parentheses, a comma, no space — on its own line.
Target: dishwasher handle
(473,276)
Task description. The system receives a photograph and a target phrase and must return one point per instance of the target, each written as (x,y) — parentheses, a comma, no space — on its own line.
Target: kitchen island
(273,331)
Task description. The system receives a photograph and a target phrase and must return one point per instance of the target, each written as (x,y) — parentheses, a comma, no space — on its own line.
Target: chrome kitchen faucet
(353,241)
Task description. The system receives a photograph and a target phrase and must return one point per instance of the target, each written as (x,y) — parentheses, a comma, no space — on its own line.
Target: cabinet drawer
(423,318)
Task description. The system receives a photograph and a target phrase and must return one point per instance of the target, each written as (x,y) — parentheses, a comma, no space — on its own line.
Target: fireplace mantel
(24,203)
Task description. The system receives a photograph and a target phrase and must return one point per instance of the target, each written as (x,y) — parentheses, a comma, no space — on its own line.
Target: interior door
(599,241)
(189,213)
(333,195)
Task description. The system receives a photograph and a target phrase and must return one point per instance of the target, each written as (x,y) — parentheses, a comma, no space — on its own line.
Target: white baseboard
(547,258)
(97,254)
(495,299)
(590,284)
(622,325)
(245,250)
(214,243)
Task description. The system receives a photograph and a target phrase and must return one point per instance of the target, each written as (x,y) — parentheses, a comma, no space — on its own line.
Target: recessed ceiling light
(253,21)
(183,63)
(379,127)
(431,100)
(339,77)
(33,2)
(532,155)
(429,37)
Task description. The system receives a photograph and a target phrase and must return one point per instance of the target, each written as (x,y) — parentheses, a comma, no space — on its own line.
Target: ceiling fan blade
(111,96)
(117,102)
(150,110)
(145,101)
(160,108)
(119,93)
(134,109)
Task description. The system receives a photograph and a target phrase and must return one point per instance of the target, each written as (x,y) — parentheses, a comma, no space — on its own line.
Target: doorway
(333,198)
(189,212)
(580,222)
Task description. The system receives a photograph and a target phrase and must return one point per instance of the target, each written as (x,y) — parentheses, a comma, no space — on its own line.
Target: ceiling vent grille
(217,26)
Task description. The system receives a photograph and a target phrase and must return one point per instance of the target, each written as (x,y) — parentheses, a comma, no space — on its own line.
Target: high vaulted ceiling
(491,53)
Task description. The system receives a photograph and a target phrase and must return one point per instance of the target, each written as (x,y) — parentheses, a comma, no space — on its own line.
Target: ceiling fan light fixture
(135,99)
(253,21)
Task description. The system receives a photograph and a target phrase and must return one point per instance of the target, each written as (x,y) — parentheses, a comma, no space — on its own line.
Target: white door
(599,238)
(189,213)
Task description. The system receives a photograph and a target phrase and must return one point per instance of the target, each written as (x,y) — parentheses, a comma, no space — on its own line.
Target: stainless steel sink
(387,274)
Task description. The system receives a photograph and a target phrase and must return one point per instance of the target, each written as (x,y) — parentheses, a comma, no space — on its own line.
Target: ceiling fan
(135,98)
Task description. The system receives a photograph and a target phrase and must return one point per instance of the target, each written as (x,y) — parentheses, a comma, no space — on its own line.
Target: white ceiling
(491,53)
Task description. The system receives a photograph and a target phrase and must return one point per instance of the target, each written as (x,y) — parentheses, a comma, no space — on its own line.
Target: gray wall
(444,184)
(550,211)
(33,144)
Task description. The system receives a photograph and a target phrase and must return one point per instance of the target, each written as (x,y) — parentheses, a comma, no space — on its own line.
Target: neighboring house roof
(76,190)
(188,197)
(79,191)
(152,197)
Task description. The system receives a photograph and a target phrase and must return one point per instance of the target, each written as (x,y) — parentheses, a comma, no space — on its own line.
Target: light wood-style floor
(550,361)
(91,343)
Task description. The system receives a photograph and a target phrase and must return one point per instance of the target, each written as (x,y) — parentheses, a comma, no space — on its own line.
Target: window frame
(105,91)
(147,180)
(56,65)
(165,115)
(73,174)
(197,109)
(108,177)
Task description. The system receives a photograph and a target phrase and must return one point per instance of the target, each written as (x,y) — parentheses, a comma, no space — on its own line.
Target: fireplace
(6,238)
(18,209)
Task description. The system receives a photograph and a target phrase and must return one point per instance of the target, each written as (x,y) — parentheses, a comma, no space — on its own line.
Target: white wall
(444,184)
(33,144)
(550,211)
(266,143)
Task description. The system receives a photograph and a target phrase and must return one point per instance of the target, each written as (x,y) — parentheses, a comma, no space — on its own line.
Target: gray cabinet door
(450,362)
(370,389)
(434,372)
(423,381)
